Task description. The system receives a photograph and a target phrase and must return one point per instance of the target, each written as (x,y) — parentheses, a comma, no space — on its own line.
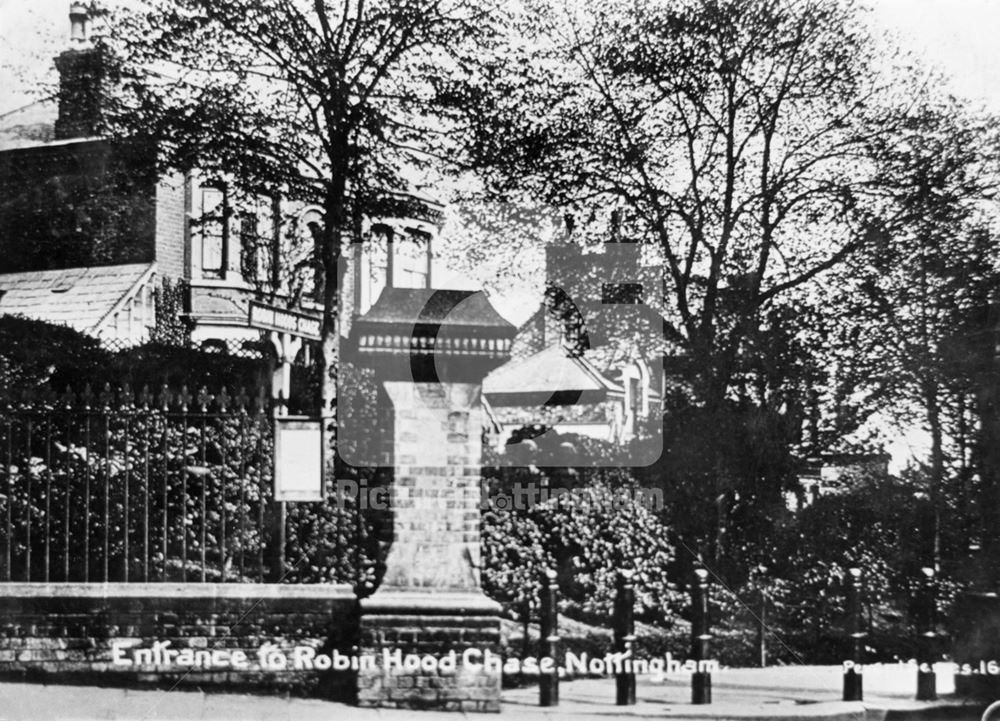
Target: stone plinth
(431,650)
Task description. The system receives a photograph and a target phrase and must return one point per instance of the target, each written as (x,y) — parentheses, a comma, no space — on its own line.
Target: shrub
(586,536)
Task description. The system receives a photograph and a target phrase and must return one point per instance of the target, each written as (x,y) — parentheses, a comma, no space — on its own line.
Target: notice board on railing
(299,456)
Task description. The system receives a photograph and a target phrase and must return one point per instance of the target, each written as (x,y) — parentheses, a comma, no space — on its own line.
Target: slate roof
(409,306)
(542,374)
(78,297)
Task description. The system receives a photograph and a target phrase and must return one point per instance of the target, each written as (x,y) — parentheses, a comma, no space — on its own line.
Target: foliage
(170,328)
(92,204)
(132,489)
(734,142)
(905,299)
(33,352)
(126,491)
(597,527)
(872,524)
(721,129)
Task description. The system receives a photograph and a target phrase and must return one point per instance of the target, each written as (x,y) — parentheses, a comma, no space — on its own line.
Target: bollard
(926,637)
(548,683)
(624,626)
(701,681)
(853,680)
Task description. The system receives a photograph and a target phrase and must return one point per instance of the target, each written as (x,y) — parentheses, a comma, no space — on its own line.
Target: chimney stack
(81,81)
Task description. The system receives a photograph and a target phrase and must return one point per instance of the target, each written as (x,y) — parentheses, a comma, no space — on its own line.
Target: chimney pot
(78,16)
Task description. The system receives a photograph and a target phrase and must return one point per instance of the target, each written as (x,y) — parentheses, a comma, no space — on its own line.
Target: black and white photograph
(548,359)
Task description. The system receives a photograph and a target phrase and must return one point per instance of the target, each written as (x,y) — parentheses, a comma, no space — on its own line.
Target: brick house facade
(73,200)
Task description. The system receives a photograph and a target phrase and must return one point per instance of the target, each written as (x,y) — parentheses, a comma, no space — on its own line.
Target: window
(258,237)
(413,261)
(635,398)
(297,260)
(211,231)
(374,266)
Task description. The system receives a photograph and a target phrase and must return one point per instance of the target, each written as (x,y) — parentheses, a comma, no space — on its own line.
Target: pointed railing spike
(242,399)
(204,398)
(145,397)
(184,397)
(107,396)
(165,397)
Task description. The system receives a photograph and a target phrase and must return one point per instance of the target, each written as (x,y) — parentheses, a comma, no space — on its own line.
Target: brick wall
(171,226)
(67,633)
(437,448)
(403,624)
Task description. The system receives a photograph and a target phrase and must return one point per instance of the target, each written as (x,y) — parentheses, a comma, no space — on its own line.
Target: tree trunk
(329,356)
(932,403)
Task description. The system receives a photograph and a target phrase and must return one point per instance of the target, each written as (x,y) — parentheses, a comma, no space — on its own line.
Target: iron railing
(117,486)
(124,486)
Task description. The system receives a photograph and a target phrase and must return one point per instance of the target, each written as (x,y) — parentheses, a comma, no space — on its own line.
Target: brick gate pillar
(428,625)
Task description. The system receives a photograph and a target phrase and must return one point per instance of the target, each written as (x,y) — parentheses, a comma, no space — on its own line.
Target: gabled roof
(551,373)
(80,298)
(30,125)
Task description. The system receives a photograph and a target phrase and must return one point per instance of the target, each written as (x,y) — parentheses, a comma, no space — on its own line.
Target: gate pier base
(430,651)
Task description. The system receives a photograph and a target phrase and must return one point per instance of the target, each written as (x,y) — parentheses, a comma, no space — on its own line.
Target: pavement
(787,693)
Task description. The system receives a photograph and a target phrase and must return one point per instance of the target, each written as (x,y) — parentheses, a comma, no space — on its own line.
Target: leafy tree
(729,132)
(324,102)
(933,266)
(733,139)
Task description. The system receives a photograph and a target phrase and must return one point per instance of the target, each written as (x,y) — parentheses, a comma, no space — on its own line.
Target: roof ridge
(28,105)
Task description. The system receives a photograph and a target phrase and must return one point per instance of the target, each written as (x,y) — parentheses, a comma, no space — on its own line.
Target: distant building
(829,473)
(590,361)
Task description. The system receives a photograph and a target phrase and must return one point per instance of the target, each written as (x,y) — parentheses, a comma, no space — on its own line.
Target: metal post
(853,686)
(279,512)
(701,681)
(624,628)
(762,630)
(278,540)
(548,683)
(926,637)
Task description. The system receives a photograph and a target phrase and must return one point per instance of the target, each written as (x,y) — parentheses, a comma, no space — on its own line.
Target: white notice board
(298,458)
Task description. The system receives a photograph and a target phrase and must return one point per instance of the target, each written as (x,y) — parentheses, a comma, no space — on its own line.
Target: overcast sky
(961,36)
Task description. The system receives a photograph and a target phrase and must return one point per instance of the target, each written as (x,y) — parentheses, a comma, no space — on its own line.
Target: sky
(960,36)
